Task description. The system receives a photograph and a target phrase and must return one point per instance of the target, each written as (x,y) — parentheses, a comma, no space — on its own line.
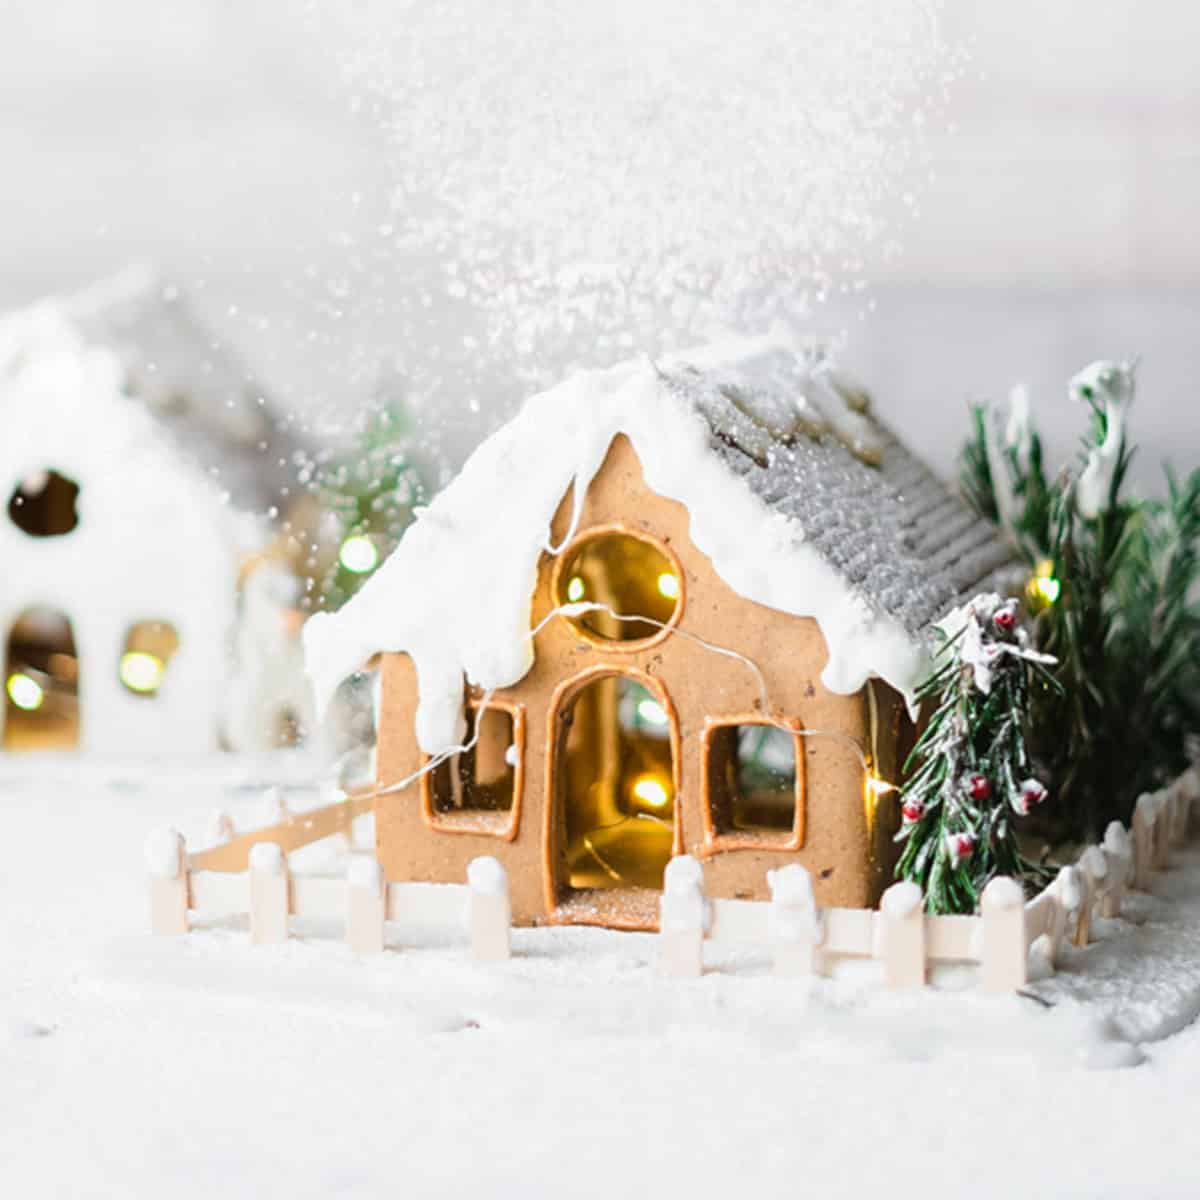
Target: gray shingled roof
(208,404)
(908,543)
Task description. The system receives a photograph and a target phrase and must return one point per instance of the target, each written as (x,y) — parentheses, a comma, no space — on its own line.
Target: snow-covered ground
(133,1066)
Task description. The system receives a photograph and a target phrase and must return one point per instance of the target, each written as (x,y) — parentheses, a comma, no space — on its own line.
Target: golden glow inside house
(633,583)
(652,791)
(141,672)
(617,791)
(25,692)
(41,674)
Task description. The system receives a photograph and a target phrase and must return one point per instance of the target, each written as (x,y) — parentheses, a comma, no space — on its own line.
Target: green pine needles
(1156,634)
(1115,586)
(1003,476)
(974,774)
(369,492)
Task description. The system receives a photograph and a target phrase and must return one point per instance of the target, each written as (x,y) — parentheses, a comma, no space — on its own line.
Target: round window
(634,584)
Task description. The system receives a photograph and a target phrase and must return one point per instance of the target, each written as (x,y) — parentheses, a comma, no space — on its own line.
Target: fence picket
(683,915)
(902,936)
(365,906)
(1005,945)
(1162,831)
(166,860)
(1142,831)
(1118,851)
(220,829)
(795,926)
(489,910)
(1093,870)
(268,895)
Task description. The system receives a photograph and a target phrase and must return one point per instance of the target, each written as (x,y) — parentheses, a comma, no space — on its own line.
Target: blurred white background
(218,139)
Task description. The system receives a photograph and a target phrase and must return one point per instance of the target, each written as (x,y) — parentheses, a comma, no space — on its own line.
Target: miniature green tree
(1082,728)
(369,492)
(1003,475)
(1156,635)
(1114,583)
(973,771)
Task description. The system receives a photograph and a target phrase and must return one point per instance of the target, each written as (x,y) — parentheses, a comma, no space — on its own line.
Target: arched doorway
(614,779)
(41,683)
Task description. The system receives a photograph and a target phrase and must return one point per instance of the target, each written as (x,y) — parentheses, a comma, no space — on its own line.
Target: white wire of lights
(582,607)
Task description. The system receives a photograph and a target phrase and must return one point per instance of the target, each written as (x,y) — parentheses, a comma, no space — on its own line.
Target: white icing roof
(802,501)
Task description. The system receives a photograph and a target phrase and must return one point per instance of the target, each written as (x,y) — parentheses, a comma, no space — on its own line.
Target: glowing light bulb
(668,585)
(25,693)
(873,792)
(1050,589)
(651,791)
(141,672)
(358,554)
(575,589)
(1043,589)
(651,712)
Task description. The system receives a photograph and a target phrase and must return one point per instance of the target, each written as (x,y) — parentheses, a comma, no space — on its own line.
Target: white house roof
(803,501)
(205,401)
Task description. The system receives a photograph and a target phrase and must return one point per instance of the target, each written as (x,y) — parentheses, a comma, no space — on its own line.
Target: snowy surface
(141,1067)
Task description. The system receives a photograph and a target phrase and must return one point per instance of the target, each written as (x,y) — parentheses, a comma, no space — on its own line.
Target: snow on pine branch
(981,652)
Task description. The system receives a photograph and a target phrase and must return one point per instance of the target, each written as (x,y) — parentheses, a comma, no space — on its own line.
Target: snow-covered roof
(198,391)
(801,498)
(873,510)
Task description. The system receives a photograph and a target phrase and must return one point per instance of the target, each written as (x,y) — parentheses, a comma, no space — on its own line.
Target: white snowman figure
(270,697)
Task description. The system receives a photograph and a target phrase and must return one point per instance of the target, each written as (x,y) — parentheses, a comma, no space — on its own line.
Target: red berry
(1006,618)
(912,811)
(979,787)
(1032,792)
(959,846)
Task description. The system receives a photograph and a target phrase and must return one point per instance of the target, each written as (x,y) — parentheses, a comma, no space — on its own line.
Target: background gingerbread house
(675,607)
(144,475)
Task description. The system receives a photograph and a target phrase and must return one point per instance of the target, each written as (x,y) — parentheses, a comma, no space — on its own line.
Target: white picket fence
(806,940)
(269,895)
(802,938)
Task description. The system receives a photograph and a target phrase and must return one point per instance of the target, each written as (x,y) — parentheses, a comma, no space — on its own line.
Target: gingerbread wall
(847,837)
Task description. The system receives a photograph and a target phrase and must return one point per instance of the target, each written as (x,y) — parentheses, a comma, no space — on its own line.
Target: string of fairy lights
(577,608)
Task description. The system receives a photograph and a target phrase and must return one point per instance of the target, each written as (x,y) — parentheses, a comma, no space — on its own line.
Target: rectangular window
(479,790)
(754,784)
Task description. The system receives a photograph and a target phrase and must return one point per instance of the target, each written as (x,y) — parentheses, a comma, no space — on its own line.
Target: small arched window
(44,504)
(635,584)
(148,650)
(41,683)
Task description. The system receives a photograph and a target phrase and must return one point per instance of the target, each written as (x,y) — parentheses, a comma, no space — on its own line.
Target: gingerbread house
(672,607)
(144,473)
